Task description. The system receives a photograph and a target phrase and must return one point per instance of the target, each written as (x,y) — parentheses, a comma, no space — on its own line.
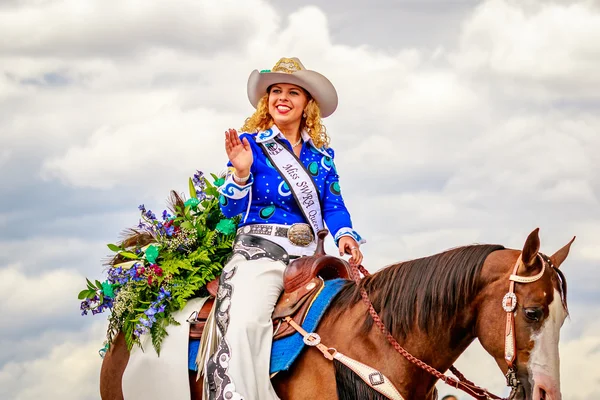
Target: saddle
(303,280)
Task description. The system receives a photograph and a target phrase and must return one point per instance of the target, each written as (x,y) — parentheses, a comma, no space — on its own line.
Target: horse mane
(430,291)
(563,288)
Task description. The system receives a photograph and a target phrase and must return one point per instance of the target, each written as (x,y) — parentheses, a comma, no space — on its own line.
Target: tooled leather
(294,304)
(302,270)
(281,328)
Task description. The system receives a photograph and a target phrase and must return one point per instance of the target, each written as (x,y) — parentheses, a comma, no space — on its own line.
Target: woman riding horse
(283,180)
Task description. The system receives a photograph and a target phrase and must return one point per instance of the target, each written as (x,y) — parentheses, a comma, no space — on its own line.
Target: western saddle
(303,279)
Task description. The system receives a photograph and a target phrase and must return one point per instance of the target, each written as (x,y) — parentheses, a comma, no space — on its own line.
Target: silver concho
(312,339)
(300,234)
(509,302)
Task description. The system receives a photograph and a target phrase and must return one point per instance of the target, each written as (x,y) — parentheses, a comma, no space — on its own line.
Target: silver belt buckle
(300,234)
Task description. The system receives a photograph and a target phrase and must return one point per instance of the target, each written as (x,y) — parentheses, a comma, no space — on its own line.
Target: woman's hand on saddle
(348,245)
(239,153)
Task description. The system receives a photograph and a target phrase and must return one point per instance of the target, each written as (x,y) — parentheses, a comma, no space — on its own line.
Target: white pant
(247,295)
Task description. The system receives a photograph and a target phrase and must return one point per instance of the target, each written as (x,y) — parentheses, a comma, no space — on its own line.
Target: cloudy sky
(459,121)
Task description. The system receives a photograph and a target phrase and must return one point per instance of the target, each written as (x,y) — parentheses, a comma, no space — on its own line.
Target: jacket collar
(273,132)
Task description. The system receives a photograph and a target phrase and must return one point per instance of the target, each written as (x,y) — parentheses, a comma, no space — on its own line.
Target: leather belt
(298,234)
(255,247)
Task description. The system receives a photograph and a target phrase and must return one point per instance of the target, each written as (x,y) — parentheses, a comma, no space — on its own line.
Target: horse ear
(531,248)
(560,256)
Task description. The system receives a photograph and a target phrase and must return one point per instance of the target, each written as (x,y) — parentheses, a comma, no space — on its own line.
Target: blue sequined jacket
(266,198)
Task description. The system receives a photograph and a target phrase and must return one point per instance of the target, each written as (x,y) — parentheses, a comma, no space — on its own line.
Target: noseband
(509,304)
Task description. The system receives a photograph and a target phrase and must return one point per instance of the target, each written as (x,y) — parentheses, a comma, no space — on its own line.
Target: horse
(434,307)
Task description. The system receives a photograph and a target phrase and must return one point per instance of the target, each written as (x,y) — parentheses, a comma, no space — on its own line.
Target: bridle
(509,304)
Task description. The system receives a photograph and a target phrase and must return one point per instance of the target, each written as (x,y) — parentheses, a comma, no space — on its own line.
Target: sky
(459,122)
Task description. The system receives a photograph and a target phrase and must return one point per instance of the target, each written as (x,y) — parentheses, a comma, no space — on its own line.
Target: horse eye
(534,314)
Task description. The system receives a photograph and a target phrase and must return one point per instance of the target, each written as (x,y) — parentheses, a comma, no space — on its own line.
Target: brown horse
(434,307)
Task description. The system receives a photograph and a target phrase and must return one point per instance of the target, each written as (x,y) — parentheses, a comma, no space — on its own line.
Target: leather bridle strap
(509,304)
(372,377)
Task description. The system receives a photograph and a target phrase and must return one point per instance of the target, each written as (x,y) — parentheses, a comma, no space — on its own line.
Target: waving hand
(238,152)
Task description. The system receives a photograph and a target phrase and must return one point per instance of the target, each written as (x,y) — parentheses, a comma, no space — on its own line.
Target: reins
(385,387)
(461,383)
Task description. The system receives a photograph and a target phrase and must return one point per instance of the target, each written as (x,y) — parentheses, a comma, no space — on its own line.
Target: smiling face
(286,105)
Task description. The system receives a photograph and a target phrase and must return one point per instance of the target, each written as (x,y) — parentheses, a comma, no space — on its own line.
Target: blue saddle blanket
(285,351)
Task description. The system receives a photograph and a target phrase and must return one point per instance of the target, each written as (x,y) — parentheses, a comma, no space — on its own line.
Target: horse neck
(374,350)
(439,347)
(430,307)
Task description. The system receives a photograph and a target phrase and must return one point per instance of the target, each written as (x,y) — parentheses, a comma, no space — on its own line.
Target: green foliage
(186,251)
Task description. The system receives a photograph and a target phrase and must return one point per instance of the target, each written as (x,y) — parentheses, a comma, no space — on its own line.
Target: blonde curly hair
(262,120)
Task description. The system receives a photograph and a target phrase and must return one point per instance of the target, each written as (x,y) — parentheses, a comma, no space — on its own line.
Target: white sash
(298,179)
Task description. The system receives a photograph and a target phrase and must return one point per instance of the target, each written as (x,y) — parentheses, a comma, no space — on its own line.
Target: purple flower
(150,215)
(198,179)
(139,330)
(150,312)
(145,322)
(170,230)
(163,294)
(142,208)
(116,275)
(161,308)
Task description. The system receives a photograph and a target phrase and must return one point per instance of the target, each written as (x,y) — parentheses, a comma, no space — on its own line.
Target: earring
(304,115)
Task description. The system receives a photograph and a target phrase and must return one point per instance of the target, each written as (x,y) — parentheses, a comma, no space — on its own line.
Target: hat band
(287,65)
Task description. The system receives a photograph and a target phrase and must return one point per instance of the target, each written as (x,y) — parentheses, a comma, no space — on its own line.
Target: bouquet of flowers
(161,264)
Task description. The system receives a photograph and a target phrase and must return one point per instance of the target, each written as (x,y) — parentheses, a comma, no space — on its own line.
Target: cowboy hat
(291,70)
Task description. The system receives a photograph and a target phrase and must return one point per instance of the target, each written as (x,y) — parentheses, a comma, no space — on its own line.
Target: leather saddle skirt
(303,279)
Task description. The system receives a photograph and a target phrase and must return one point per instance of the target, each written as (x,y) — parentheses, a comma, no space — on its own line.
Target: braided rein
(461,383)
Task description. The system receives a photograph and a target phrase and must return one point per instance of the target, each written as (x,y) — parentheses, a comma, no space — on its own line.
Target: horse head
(519,315)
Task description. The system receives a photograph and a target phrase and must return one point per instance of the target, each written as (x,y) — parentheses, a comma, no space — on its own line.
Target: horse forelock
(426,293)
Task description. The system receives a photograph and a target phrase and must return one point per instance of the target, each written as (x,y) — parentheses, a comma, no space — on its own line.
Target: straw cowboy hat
(291,70)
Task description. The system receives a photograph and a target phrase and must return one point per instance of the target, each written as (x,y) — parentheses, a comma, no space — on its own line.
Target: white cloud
(49,250)
(73,28)
(4,157)
(155,150)
(22,295)
(67,368)
(537,42)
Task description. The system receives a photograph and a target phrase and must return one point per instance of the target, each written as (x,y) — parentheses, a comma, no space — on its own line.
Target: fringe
(209,343)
